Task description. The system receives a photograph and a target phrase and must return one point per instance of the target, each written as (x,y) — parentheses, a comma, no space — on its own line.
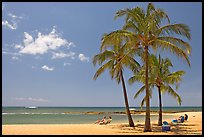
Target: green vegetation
(160,77)
(143,30)
(115,60)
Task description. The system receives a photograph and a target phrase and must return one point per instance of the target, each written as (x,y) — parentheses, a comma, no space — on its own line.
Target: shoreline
(191,127)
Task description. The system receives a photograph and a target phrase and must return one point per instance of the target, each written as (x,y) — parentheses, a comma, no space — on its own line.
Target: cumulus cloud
(62,55)
(82,57)
(46,68)
(42,44)
(9,25)
(31,99)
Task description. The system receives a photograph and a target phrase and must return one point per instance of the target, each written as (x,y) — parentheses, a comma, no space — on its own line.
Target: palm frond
(174,94)
(179,42)
(144,99)
(131,27)
(115,38)
(142,102)
(107,65)
(173,48)
(142,89)
(170,29)
(136,14)
(175,77)
(131,63)
(137,77)
(100,58)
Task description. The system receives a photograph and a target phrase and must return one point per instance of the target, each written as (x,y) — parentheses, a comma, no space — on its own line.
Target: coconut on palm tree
(145,29)
(160,77)
(114,57)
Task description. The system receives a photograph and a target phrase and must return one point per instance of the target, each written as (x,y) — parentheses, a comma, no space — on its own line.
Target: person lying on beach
(97,121)
(106,121)
(101,121)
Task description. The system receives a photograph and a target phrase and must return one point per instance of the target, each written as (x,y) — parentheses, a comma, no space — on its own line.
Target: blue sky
(47,51)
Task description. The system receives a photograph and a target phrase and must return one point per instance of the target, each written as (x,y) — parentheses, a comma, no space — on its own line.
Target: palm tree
(144,29)
(162,78)
(115,60)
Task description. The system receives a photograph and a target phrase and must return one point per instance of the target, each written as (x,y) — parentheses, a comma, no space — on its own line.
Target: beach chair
(174,122)
(166,126)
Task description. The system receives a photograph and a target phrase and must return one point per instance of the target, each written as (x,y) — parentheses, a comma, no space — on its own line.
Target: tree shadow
(178,129)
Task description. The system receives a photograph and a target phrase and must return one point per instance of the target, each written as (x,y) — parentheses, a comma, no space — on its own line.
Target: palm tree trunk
(131,123)
(147,127)
(160,107)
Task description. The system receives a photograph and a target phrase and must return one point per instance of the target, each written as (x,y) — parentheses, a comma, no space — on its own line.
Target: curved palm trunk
(160,108)
(131,123)
(147,126)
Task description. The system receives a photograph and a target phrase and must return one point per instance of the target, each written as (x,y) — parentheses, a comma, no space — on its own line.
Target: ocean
(78,115)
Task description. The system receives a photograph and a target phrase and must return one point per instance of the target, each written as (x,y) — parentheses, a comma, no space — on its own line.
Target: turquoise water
(75,115)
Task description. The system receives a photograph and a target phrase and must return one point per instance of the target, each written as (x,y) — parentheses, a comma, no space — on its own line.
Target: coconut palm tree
(160,77)
(145,29)
(115,59)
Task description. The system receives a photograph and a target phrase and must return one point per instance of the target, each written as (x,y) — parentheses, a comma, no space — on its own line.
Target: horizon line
(99,106)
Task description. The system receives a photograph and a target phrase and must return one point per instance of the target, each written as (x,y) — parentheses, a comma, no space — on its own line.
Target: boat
(132,109)
(31,107)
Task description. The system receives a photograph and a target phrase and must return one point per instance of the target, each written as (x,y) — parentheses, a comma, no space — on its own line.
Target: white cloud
(31,99)
(45,67)
(7,24)
(11,53)
(82,57)
(43,43)
(65,64)
(71,44)
(11,23)
(62,55)
(15,58)
(14,16)
(18,46)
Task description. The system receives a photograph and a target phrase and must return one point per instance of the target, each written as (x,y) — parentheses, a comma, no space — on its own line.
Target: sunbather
(109,120)
(106,121)
(100,121)
(181,119)
(103,121)
(186,117)
(97,121)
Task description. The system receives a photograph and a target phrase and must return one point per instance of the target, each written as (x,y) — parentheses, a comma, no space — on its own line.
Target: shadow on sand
(178,129)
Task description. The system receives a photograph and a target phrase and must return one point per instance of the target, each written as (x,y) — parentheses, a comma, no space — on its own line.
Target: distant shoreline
(139,112)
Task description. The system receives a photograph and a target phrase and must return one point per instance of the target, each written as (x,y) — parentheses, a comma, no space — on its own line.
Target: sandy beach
(191,127)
